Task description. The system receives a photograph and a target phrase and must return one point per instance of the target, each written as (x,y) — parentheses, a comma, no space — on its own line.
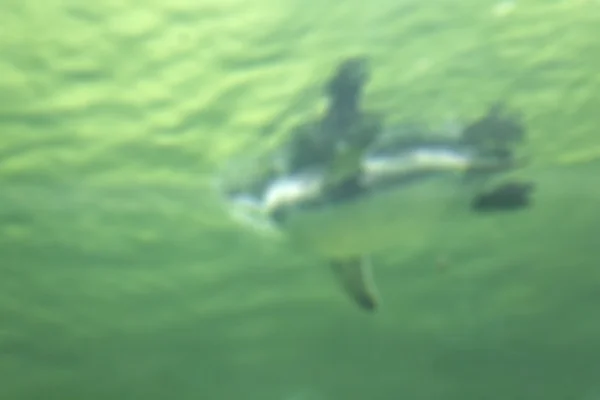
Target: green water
(121,278)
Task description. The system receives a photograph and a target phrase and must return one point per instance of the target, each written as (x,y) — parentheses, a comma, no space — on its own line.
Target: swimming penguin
(347,187)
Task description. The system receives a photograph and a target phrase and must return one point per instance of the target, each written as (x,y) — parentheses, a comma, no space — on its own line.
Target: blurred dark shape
(497,131)
(506,197)
(338,140)
(344,91)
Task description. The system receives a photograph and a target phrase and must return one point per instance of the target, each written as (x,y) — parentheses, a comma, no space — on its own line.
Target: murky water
(122,278)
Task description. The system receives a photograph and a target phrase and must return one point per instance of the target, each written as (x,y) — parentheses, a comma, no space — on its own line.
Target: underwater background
(121,276)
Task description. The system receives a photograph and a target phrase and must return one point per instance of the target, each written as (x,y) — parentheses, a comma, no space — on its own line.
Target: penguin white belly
(395,217)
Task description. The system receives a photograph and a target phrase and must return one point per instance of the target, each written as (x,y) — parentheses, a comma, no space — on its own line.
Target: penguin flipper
(355,277)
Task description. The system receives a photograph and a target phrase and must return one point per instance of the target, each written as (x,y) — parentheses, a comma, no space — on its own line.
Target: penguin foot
(506,197)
